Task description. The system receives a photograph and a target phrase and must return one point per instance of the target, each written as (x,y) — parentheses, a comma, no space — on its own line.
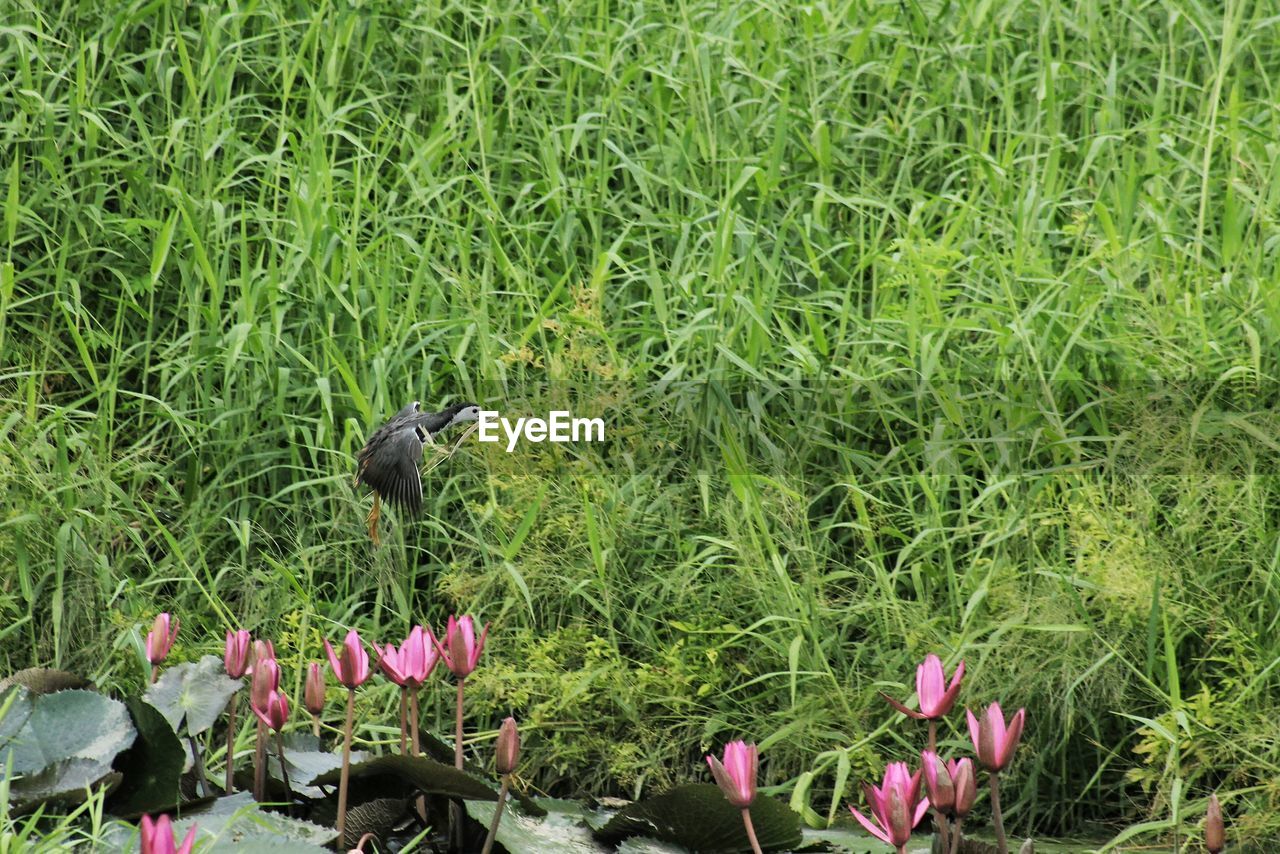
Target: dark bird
(389,462)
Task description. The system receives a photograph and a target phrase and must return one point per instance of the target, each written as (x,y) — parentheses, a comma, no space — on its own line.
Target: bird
(388,463)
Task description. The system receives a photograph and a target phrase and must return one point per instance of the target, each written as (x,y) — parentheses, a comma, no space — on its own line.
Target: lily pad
(15,707)
(563,829)
(236,823)
(152,767)
(418,772)
(697,817)
(195,693)
(44,680)
(69,725)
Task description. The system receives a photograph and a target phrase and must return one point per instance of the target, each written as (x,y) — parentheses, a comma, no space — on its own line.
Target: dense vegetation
(919,326)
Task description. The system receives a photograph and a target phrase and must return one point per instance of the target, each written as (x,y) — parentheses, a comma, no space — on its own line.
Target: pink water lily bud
(266,680)
(736,775)
(508,750)
(236,657)
(157,837)
(935,695)
(1215,834)
(965,782)
(896,806)
(263,649)
(313,695)
(352,666)
(992,741)
(161,637)
(938,783)
(460,651)
(274,711)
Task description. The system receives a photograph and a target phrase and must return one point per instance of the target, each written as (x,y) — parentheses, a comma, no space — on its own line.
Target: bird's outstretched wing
(389,463)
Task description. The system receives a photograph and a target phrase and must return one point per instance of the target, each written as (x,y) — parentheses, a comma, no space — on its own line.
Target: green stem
(751,830)
(260,763)
(231,744)
(284,772)
(404,720)
(346,767)
(457,730)
(997,819)
(497,814)
(201,780)
(956,836)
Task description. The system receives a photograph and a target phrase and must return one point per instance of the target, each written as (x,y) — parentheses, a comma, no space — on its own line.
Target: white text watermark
(558,426)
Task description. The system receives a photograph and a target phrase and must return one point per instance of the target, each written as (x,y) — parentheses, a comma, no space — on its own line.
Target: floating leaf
(418,772)
(152,767)
(15,708)
(44,680)
(239,825)
(698,817)
(306,765)
(66,780)
(197,693)
(376,816)
(69,725)
(563,829)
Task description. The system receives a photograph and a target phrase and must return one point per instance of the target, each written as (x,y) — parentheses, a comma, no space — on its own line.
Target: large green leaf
(66,780)
(417,772)
(69,725)
(195,693)
(152,767)
(698,817)
(563,829)
(15,707)
(238,824)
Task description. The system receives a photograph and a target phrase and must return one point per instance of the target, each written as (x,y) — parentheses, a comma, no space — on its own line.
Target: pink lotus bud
(1215,834)
(160,639)
(736,775)
(896,806)
(965,782)
(266,680)
(935,695)
(263,649)
(461,651)
(274,711)
(938,783)
(508,750)
(993,743)
(410,665)
(352,668)
(157,837)
(236,657)
(313,696)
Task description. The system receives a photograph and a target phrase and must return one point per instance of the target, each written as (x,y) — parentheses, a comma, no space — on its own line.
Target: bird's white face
(470,413)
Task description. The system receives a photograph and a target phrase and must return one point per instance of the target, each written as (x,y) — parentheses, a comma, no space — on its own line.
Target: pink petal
(873,829)
(188,841)
(930,683)
(921,809)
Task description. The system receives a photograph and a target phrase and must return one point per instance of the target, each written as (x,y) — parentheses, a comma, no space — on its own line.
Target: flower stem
(455,806)
(201,780)
(997,819)
(315,725)
(155,673)
(284,772)
(497,814)
(414,743)
(346,767)
(956,836)
(751,830)
(231,744)
(404,720)
(260,763)
(933,736)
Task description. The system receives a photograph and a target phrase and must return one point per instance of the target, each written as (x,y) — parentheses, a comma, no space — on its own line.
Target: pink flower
(236,657)
(157,837)
(896,806)
(313,695)
(938,783)
(965,782)
(461,651)
(936,696)
(412,663)
(352,667)
(993,743)
(274,711)
(266,680)
(736,776)
(160,638)
(508,750)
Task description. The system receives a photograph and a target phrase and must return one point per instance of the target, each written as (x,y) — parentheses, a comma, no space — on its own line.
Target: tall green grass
(919,327)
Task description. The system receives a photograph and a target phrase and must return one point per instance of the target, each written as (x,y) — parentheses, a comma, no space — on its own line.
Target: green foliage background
(976,304)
